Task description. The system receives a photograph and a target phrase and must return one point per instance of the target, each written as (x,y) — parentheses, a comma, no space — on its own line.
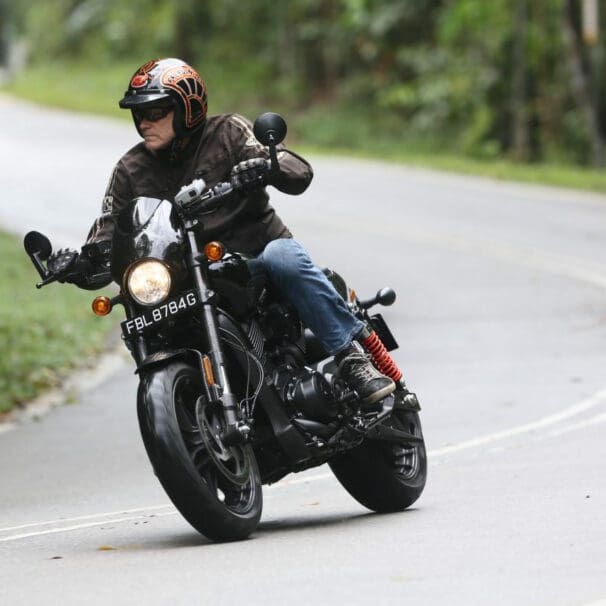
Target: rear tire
(383,476)
(217,489)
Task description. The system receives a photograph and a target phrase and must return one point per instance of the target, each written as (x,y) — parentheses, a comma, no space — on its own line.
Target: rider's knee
(285,255)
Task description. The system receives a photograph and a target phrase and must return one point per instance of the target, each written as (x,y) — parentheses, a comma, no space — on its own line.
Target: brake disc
(231,461)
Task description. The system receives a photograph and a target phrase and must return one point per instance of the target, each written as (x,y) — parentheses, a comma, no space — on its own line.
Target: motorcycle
(233,391)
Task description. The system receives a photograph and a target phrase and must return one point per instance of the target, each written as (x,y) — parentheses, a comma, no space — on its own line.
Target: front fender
(166,357)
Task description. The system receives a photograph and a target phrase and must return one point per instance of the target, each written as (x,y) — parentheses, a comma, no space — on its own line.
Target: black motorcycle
(234,392)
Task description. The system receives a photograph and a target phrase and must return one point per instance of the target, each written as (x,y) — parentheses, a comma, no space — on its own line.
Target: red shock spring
(381,358)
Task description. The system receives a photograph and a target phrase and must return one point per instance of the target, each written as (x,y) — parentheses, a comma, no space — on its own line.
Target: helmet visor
(130,100)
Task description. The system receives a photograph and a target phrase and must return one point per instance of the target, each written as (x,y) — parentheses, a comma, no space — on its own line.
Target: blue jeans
(320,306)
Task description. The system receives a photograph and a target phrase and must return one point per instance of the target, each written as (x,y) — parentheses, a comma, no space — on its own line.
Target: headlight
(149,282)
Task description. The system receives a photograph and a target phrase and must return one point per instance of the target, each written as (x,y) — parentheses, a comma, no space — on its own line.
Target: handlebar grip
(221,190)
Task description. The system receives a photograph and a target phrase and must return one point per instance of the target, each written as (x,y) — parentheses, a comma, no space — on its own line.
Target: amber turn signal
(214,251)
(102,306)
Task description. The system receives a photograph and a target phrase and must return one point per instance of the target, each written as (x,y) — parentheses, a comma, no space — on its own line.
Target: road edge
(95,371)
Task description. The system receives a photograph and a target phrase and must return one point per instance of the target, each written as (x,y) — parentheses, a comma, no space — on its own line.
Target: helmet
(169,80)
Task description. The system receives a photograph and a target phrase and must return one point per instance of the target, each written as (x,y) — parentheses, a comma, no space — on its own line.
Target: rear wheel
(385,476)
(216,488)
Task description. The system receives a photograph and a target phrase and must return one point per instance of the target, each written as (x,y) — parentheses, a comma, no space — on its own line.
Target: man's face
(157,131)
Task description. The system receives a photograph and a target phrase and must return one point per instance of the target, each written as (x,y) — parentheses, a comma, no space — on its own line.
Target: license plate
(161,313)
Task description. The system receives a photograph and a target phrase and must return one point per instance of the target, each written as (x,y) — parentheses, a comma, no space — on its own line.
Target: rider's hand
(62,261)
(250,174)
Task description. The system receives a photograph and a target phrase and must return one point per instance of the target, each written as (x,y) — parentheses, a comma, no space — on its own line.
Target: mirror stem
(273,156)
(44,273)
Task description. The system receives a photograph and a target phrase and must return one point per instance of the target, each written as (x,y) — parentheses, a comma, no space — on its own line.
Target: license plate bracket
(385,334)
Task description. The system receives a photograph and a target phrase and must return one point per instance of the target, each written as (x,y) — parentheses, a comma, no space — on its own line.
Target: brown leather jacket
(224,141)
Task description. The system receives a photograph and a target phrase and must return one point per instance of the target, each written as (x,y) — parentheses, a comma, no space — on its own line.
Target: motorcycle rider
(168,102)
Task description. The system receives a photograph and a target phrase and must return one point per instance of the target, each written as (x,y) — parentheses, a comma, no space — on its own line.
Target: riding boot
(356,369)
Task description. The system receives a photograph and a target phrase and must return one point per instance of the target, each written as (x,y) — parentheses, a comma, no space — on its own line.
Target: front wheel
(216,488)
(384,476)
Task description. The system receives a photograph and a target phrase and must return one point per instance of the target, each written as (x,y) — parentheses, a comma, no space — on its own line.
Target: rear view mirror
(270,128)
(37,244)
(39,249)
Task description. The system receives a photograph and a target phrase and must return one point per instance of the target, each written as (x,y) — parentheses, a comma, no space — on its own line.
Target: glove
(62,261)
(250,174)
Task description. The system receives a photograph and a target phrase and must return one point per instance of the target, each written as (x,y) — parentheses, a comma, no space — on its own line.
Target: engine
(306,391)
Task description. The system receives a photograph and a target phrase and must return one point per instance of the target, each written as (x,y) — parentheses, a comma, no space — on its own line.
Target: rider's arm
(295,172)
(117,194)
(96,252)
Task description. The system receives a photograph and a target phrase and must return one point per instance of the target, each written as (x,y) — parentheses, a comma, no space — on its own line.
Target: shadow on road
(308,522)
(267,529)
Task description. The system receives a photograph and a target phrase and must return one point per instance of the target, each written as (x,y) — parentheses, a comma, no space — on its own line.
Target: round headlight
(149,282)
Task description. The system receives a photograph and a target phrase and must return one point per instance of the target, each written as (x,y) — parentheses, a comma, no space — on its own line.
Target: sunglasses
(152,114)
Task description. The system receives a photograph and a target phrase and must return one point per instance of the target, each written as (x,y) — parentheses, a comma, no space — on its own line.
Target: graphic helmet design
(169,80)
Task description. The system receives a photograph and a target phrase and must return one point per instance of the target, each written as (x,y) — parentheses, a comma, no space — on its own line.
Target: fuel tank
(238,290)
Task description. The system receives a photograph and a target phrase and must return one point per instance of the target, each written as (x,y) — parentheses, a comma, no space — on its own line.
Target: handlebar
(80,267)
(196,199)
(191,201)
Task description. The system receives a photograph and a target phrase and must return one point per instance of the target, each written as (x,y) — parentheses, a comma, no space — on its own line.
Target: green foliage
(490,77)
(43,333)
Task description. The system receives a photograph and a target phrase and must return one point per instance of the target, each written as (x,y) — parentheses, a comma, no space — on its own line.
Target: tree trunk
(520,136)
(581,84)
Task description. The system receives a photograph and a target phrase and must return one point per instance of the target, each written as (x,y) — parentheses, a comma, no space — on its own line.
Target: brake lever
(78,268)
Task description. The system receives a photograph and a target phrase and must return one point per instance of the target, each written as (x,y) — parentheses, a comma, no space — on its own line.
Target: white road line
(601,418)
(568,413)
(304,480)
(572,411)
(575,268)
(40,533)
(88,517)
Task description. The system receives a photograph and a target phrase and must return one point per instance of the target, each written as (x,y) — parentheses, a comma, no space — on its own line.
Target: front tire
(216,488)
(383,476)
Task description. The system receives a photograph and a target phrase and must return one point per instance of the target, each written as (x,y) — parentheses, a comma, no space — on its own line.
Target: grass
(380,137)
(321,129)
(44,333)
(557,175)
(79,88)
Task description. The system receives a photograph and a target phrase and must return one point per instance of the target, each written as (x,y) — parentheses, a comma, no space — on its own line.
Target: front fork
(236,430)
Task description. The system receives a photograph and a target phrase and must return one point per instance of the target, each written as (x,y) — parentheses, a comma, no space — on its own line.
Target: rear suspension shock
(381,358)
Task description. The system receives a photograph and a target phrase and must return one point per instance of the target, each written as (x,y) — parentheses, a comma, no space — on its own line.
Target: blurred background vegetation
(514,80)
(508,88)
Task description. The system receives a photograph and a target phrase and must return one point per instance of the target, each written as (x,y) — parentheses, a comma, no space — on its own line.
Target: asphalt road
(501,317)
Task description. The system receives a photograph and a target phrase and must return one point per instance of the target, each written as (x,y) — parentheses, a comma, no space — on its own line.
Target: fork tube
(209,317)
